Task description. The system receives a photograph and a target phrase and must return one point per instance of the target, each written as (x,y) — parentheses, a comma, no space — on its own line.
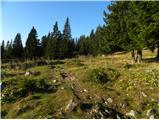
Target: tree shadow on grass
(151,60)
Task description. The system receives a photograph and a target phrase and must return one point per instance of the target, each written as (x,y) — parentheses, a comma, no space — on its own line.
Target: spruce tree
(66,37)
(9,50)
(57,37)
(3,50)
(17,47)
(44,41)
(32,44)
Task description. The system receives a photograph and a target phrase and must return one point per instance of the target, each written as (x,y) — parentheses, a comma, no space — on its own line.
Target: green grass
(125,85)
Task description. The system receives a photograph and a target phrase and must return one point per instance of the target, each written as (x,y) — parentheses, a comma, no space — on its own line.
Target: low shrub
(113,74)
(99,76)
(16,89)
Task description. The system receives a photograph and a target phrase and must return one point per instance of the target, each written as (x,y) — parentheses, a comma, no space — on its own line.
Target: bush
(99,76)
(16,89)
(113,74)
(27,65)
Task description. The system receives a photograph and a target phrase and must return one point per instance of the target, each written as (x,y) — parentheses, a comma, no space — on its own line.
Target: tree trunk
(132,57)
(139,56)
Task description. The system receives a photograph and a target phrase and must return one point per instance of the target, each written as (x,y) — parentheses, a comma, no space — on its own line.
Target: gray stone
(71,105)
(149,112)
(84,90)
(151,117)
(132,113)
(143,94)
(54,81)
(62,88)
(118,117)
(28,73)
(109,100)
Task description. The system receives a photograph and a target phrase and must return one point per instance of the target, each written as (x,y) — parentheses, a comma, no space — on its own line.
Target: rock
(28,73)
(132,113)
(2,95)
(109,100)
(151,117)
(124,106)
(54,81)
(102,116)
(71,105)
(103,55)
(84,90)
(118,117)
(62,88)
(143,94)
(151,88)
(149,112)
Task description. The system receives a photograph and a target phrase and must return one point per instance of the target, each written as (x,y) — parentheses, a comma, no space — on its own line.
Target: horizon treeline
(130,26)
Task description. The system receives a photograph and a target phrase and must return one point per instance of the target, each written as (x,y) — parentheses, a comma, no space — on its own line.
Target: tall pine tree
(3,50)
(66,38)
(17,47)
(32,44)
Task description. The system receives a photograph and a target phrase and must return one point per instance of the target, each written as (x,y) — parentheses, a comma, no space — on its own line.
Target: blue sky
(19,17)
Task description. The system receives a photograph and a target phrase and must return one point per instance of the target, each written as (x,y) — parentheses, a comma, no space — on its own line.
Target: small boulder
(54,81)
(71,105)
(109,100)
(28,73)
(103,55)
(151,117)
(143,94)
(62,88)
(132,113)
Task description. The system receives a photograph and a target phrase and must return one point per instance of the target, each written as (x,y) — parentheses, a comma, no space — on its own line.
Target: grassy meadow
(81,87)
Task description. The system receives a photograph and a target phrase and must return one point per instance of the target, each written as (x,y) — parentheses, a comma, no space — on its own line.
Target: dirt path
(77,89)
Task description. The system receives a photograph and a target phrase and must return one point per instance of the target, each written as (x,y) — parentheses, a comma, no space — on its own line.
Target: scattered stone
(151,117)
(132,113)
(72,78)
(143,94)
(150,112)
(28,73)
(118,117)
(102,116)
(71,105)
(62,88)
(54,81)
(124,104)
(151,88)
(109,100)
(102,111)
(85,90)
(152,99)
(103,55)
(2,95)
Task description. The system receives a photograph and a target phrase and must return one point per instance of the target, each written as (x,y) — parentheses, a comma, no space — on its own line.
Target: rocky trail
(82,98)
